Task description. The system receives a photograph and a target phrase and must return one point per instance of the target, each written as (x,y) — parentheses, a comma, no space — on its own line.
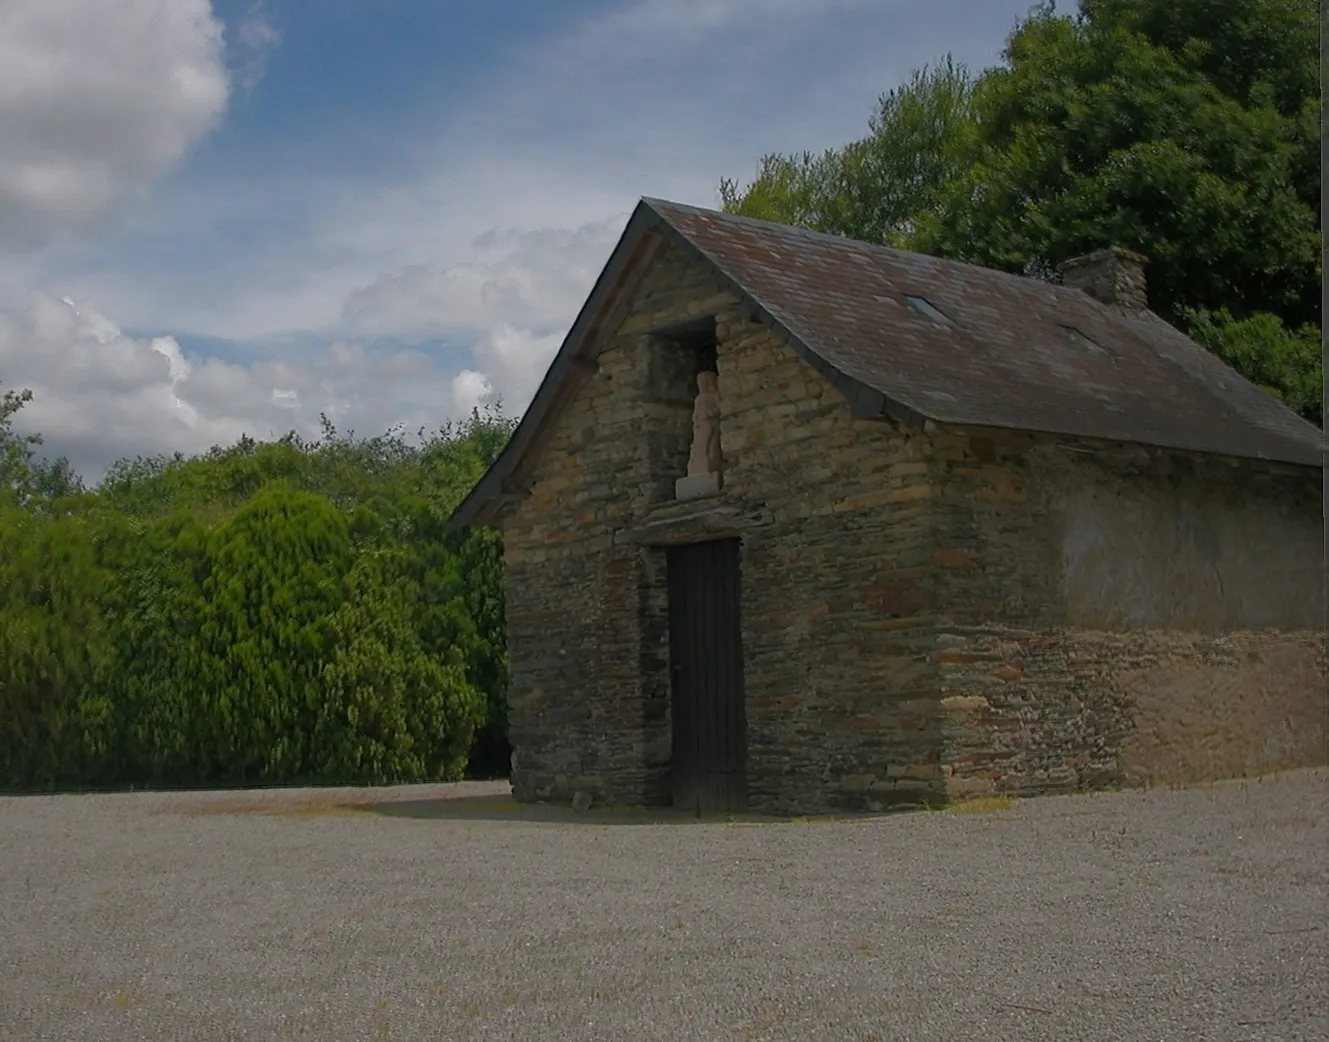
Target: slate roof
(1006,351)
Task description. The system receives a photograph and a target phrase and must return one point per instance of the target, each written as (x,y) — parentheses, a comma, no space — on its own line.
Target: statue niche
(704,462)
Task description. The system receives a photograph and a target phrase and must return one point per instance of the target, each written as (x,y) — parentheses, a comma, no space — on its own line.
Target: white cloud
(469,390)
(98,99)
(487,229)
(255,40)
(515,361)
(531,280)
(100,395)
(514,300)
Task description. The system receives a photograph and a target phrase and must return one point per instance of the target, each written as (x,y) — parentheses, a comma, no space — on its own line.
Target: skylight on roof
(1081,339)
(927,309)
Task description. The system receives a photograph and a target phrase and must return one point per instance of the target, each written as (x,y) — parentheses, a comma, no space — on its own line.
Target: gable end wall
(837,604)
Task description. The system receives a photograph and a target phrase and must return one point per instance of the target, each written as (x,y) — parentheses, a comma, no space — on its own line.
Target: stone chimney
(1113,275)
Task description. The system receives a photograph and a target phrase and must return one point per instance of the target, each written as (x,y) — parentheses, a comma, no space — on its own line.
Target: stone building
(947,531)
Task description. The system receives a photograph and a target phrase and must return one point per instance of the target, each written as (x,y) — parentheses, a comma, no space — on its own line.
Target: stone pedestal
(694,486)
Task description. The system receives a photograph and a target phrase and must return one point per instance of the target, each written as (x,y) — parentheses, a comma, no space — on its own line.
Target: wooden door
(706,663)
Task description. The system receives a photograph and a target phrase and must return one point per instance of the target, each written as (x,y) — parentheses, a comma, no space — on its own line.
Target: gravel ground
(446,912)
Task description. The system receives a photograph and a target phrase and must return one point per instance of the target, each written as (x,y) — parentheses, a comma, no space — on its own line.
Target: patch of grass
(982,805)
(276,808)
(808,819)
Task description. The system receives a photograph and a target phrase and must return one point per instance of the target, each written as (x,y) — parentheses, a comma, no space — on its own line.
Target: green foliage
(155,609)
(263,613)
(53,642)
(1288,363)
(922,138)
(273,573)
(388,709)
(1095,133)
(1187,130)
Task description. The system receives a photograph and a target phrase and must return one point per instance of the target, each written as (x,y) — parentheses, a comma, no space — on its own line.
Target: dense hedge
(264,614)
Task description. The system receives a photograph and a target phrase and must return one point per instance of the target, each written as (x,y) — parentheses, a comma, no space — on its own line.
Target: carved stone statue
(705,456)
(704,462)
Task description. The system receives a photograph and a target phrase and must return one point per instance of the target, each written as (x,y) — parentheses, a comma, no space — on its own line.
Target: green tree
(264,612)
(155,611)
(922,138)
(1285,362)
(273,579)
(1187,130)
(54,727)
(1094,133)
(388,711)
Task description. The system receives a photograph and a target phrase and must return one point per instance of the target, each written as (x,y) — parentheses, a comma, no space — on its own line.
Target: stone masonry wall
(1124,617)
(843,709)
(925,615)
(586,631)
(842,696)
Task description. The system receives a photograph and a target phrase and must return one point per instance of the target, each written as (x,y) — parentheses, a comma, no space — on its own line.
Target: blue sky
(387,210)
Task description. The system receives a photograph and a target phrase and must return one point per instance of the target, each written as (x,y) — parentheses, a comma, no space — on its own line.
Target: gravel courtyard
(446,912)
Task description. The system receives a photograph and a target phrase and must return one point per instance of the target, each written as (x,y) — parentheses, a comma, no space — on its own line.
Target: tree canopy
(1187,130)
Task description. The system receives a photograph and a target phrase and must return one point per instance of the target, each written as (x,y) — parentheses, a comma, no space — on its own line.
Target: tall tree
(922,138)
(1095,132)
(1187,130)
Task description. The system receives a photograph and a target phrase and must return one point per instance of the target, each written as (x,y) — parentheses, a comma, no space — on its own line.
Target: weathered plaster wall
(1125,617)
(1203,547)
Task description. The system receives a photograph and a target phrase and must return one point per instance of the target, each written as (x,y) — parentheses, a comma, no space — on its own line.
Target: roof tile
(1006,359)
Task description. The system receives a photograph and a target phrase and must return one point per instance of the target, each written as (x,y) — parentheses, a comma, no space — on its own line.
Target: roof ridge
(845,241)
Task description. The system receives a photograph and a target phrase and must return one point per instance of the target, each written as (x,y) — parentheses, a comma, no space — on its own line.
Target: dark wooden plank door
(706,662)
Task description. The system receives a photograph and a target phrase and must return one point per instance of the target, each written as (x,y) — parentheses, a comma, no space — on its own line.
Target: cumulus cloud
(528,280)
(513,301)
(98,99)
(470,389)
(514,362)
(554,142)
(100,394)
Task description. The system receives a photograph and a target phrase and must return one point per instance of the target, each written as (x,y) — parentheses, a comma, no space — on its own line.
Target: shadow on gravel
(454,803)
(507,809)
